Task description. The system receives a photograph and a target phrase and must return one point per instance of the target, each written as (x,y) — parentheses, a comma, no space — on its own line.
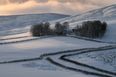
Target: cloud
(4,2)
(91,2)
(9,7)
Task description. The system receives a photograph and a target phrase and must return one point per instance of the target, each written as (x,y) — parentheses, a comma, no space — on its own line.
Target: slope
(107,14)
(18,21)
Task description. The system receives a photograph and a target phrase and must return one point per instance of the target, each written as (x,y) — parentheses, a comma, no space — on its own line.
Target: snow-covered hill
(18,21)
(107,14)
(22,55)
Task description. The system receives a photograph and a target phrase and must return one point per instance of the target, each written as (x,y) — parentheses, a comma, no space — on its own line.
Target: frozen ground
(20,70)
(22,55)
(103,59)
(35,48)
(32,49)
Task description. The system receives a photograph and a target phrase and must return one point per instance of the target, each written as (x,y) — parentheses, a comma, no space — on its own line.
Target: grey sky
(8,7)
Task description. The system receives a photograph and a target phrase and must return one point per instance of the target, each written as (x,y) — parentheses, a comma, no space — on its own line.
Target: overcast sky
(11,7)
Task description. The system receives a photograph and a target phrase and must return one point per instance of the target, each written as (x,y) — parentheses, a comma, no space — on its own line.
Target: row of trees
(41,29)
(44,29)
(91,29)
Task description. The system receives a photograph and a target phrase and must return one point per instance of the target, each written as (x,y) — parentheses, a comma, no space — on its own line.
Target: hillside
(19,21)
(107,14)
(22,55)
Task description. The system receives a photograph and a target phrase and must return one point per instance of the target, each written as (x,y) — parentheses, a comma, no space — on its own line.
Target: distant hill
(19,21)
(107,14)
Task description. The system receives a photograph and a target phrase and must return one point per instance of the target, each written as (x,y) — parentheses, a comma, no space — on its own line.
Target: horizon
(68,7)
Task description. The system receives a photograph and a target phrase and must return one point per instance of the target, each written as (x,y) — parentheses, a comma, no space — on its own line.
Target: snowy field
(19,70)
(102,59)
(22,55)
(35,48)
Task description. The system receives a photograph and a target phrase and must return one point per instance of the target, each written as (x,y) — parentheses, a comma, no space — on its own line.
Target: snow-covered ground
(107,14)
(19,21)
(35,48)
(103,59)
(32,49)
(20,70)
(19,45)
(15,35)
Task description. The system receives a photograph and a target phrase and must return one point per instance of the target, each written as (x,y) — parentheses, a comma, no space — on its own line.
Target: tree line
(43,29)
(91,29)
